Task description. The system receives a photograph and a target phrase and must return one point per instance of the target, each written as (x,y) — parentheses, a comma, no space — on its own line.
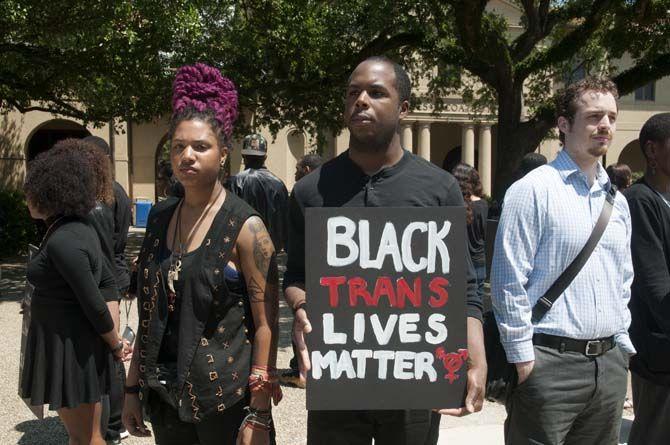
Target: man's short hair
(530,162)
(99,143)
(402,83)
(567,99)
(656,129)
(620,175)
(312,160)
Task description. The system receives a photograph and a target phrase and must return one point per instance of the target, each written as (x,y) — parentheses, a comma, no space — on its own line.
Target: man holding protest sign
(377,172)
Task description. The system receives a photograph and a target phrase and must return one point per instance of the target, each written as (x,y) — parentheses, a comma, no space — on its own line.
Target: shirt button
(240,303)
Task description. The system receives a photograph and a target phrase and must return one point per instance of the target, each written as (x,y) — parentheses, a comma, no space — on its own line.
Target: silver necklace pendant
(173,274)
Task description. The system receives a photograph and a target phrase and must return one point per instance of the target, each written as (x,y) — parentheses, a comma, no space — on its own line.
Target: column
(424,140)
(468,144)
(406,135)
(121,161)
(485,157)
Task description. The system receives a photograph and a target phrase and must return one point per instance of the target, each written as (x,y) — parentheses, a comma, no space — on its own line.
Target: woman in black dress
(204,361)
(71,340)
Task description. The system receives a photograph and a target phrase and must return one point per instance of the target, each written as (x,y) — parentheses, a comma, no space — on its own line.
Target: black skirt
(66,362)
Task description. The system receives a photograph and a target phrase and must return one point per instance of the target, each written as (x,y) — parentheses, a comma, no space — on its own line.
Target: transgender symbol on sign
(452,362)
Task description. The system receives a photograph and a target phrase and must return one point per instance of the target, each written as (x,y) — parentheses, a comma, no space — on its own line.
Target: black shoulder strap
(562,282)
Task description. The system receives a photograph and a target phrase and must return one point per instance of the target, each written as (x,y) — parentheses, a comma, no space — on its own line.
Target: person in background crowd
(71,340)
(649,202)
(122,217)
(477,211)
(530,162)
(119,205)
(377,172)
(572,364)
(306,165)
(168,185)
(261,189)
(620,175)
(208,290)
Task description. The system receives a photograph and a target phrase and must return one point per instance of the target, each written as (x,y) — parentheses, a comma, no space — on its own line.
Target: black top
(101,219)
(266,194)
(169,351)
(477,232)
(68,273)
(122,216)
(170,345)
(412,182)
(214,331)
(650,292)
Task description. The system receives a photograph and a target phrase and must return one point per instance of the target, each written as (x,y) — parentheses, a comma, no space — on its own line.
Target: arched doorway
(633,157)
(47,134)
(162,169)
(297,147)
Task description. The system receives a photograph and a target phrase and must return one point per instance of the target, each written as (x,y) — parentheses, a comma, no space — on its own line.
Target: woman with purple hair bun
(203,367)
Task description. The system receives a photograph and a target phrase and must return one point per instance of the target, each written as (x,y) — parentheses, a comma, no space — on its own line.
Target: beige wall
(283,153)
(16,129)
(145,139)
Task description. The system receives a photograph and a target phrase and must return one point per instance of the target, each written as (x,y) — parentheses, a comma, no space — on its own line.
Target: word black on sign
(386,290)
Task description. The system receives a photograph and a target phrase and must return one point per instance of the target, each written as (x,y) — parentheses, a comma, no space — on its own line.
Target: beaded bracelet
(256,419)
(264,379)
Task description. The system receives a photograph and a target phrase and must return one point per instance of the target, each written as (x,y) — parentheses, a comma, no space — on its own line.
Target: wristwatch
(118,347)
(301,305)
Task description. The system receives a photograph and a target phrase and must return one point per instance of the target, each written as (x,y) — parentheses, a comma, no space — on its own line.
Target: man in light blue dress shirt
(572,364)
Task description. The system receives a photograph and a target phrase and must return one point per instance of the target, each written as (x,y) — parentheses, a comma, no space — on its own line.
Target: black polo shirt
(411,182)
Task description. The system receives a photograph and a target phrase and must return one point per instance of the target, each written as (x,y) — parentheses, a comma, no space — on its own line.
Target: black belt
(590,348)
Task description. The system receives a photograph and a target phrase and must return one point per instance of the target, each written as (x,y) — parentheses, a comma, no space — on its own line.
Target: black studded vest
(215,327)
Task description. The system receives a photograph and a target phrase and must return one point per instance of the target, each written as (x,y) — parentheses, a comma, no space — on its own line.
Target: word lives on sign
(386,292)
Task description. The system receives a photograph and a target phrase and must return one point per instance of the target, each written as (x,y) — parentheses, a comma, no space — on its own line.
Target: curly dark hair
(102,167)
(61,182)
(463,172)
(567,98)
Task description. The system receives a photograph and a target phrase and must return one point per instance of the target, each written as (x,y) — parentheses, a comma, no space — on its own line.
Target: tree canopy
(100,60)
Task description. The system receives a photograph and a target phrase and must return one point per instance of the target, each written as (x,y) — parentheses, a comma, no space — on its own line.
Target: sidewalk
(486,428)
(17,424)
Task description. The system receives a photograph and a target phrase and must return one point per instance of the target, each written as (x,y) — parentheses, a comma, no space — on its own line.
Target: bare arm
(113,307)
(296,298)
(259,266)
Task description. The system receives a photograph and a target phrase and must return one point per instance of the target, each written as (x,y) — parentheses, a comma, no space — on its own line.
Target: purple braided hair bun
(203,88)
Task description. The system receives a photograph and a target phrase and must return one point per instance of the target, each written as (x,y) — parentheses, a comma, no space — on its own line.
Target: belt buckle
(593,348)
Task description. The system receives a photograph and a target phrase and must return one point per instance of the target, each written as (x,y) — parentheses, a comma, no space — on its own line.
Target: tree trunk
(512,143)
(514,138)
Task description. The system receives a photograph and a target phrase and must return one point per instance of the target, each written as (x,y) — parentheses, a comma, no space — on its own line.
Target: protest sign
(386,298)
